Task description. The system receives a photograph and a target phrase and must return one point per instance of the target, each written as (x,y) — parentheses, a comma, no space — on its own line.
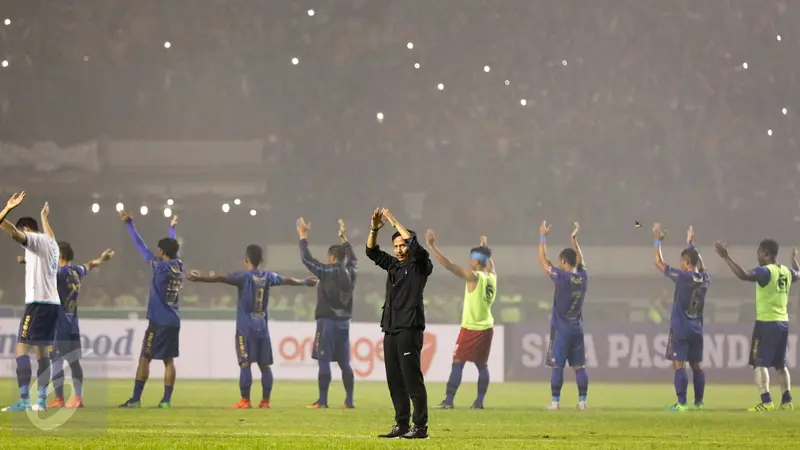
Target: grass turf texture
(620,416)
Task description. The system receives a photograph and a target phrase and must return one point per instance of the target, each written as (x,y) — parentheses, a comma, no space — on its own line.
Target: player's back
(570,292)
(162,308)
(251,309)
(477,310)
(41,269)
(69,278)
(688,301)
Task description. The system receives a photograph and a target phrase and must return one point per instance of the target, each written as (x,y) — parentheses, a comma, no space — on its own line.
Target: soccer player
(252,341)
(38,325)
(403,323)
(161,340)
(475,338)
(686,322)
(68,339)
(337,279)
(771,331)
(566,323)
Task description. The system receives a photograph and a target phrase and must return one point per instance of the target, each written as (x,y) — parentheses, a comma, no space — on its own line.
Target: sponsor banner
(207,351)
(635,352)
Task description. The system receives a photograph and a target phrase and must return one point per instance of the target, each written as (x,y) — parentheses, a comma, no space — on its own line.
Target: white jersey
(41,269)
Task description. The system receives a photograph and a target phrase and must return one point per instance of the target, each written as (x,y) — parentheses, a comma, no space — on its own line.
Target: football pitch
(620,417)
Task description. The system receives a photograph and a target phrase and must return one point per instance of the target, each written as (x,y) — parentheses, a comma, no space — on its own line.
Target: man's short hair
(692,255)
(569,255)
(770,247)
(65,250)
(397,233)
(170,247)
(28,222)
(337,251)
(255,254)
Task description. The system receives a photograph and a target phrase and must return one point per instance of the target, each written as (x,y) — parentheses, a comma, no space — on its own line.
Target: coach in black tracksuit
(403,323)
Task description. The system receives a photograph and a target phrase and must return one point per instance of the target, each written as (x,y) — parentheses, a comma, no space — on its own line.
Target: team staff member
(403,323)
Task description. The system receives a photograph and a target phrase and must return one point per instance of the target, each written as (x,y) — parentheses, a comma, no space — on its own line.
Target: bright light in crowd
(744,65)
(8,22)
(170,202)
(95,208)
(784,111)
(143,210)
(85,58)
(226,207)
(167,44)
(416,65)
(237,202)
(523,102)
(486,69)
(410,45)
(295,61)
(564,62)
(441,86)
(167,212)
(120,207)
(379,116)
(507,82)
(311,12)
(253,212)
(5,63)
(769,132)
(778,36)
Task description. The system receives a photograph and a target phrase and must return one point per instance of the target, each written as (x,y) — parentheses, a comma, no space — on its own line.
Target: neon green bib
(771,300)
(477,313)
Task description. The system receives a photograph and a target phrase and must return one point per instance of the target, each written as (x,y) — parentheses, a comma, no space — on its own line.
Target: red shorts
(473,346)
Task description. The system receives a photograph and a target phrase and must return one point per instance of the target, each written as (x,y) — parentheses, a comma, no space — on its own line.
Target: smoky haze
(635,110)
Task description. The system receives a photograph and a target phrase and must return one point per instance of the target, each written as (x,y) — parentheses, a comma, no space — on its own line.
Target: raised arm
(575,246)
(544,228)
(196,277)
(314,266)
(374,252)
(658,258)
(416,251)
(795,267)
(690,241)
(105,256)
(722,251)
(45,221)
(17,235)
(489,265)
(172,224)
(464,273)
(352,261)
(137,239)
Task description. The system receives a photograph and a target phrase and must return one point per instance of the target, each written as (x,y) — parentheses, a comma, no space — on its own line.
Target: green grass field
(620,417)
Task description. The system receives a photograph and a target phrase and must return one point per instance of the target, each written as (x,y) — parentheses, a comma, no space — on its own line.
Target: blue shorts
(160,342)
(566,347)
(332,340)
(769,343)
(689,348)
(38,324)
(254,348)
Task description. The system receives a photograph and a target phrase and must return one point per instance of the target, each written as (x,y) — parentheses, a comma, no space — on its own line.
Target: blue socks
(77,378)
(483,383)
(24,373)
(138,388)
(266,382)
(556,381)
(324,381)
(699,381)
(681,385)
(167,394)
(456,373)
(43,376)
(245,381)
(582,380)
(348,379)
